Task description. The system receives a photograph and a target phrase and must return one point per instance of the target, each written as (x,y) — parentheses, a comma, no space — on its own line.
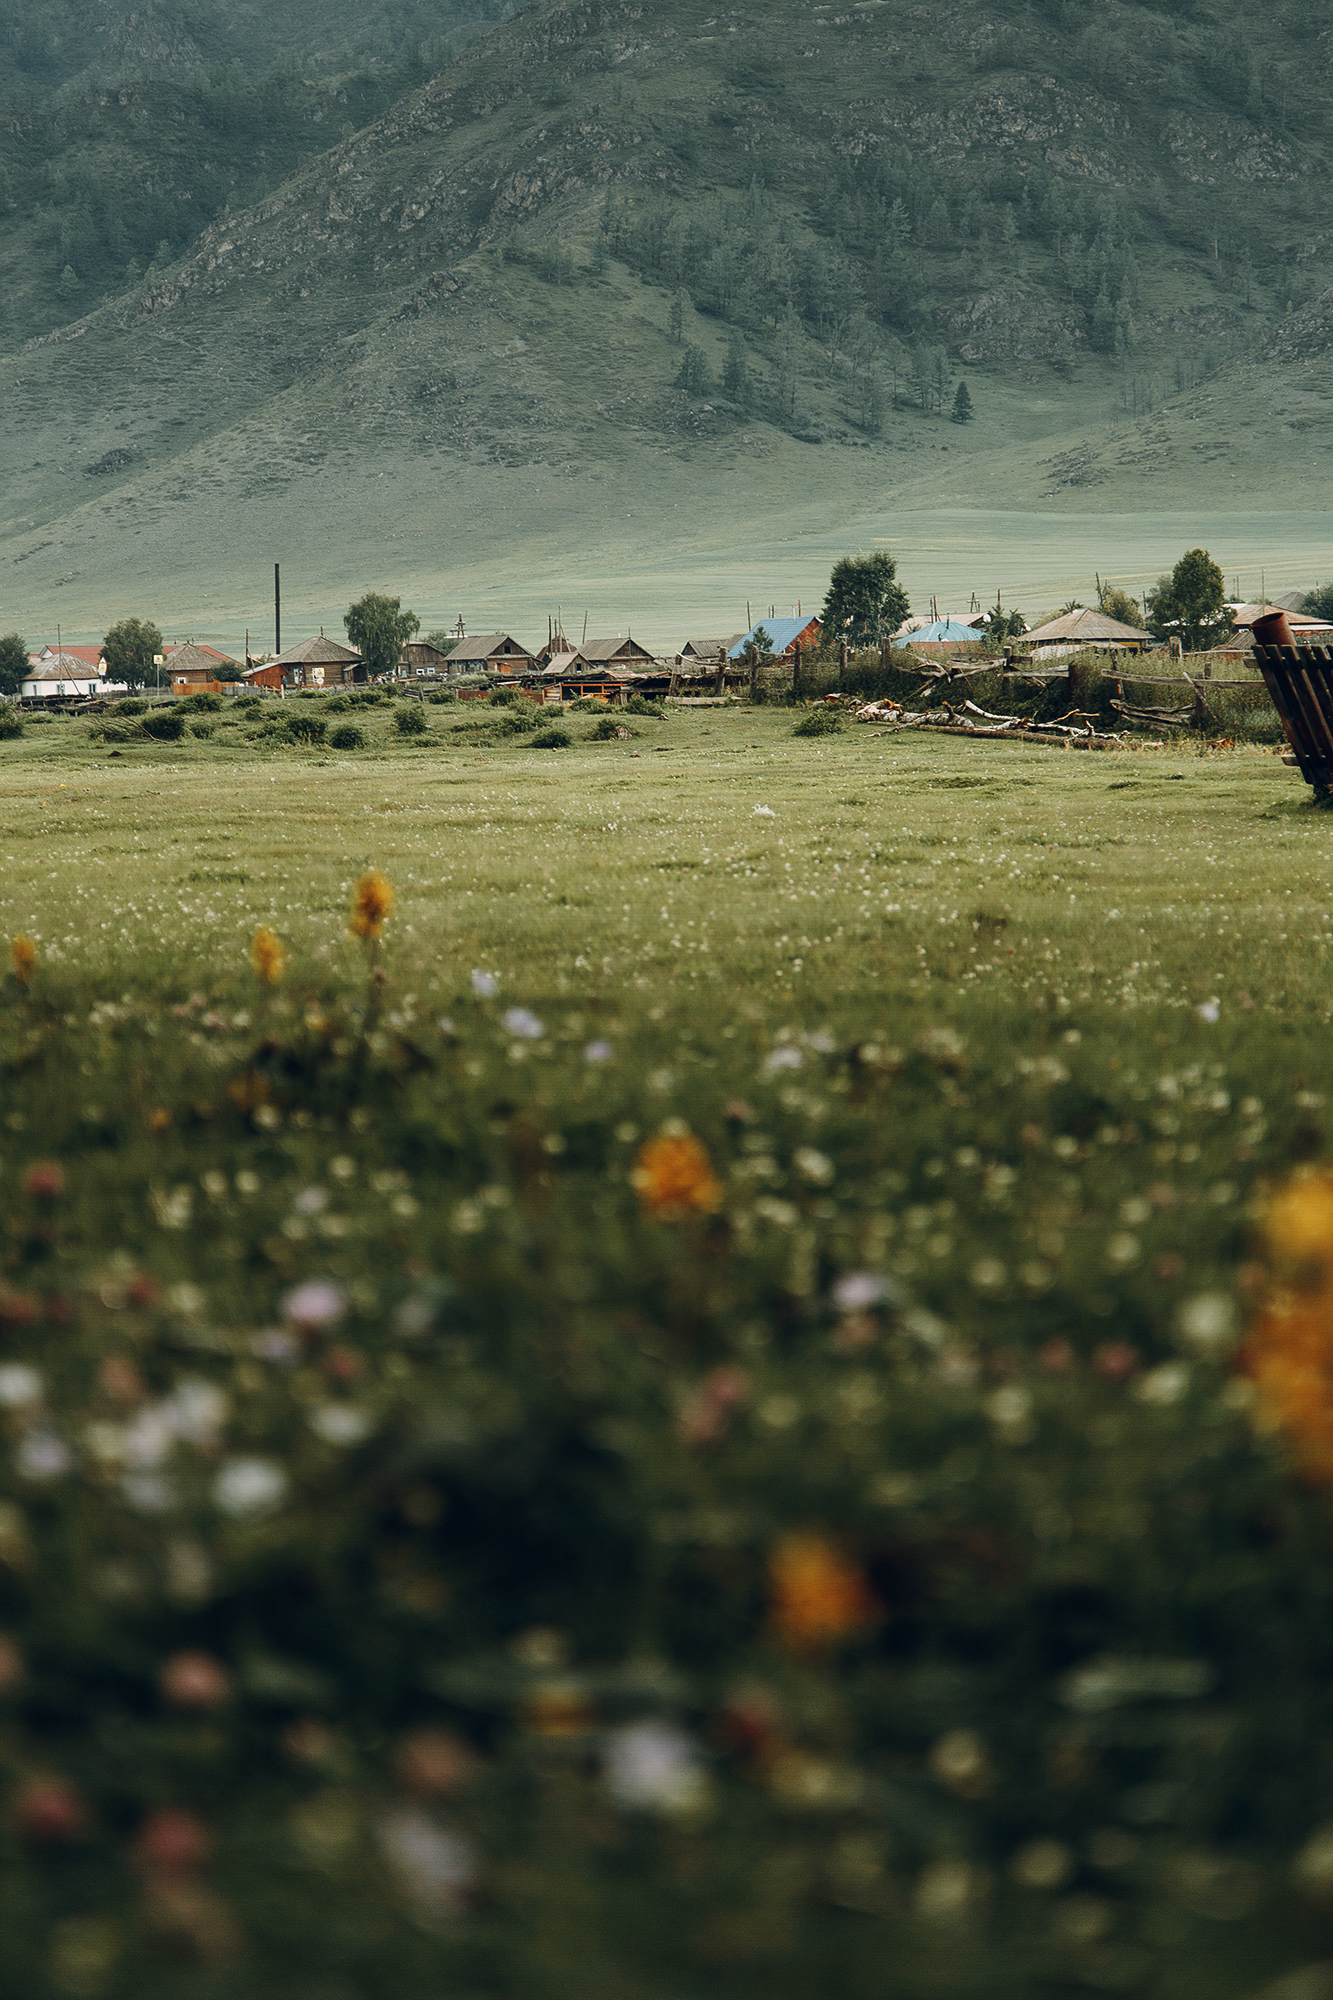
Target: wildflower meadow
(675,1368)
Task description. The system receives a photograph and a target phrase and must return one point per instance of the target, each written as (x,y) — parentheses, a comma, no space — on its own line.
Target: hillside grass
(870,1567)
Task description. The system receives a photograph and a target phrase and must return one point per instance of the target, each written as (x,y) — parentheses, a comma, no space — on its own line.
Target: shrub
(410,719)
(11,722)
(503,697)
(347,736)
(438,697)
(203,703)
(306,728)
(249,704)
(203,726)
(639,704)
(821,722)
(551,739)
(164,725)
(587,704)
(606,729)
(337,704)
(132,705)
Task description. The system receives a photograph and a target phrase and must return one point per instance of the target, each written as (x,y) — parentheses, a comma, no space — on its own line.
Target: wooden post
(842,656)
(721,673)
(796,668)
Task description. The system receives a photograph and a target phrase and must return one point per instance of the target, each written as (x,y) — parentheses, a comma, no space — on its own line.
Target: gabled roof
(708,649)
(73,670)
(176,646)
(489,646)
(782,632)
(314,653)
(944,632)
(86,656)
(1245,615)
(1091,627)
(192,659)
(598,652)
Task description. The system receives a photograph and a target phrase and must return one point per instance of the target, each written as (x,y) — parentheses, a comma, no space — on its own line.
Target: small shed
(490,653)
(319,663)
(784,635)
(267,675)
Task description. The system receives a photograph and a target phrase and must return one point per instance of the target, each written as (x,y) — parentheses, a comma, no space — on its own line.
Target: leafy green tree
(129,649)
(1117,603)
(694,375)
(13,663)
(757,653)
(379,628)
(441,639)
(1190,604)
(1319,601)
(962,405)
(865,602)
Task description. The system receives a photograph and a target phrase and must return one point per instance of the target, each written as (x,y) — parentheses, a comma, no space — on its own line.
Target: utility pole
(277,609)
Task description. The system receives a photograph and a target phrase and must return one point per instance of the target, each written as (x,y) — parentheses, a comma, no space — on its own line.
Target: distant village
(613,668)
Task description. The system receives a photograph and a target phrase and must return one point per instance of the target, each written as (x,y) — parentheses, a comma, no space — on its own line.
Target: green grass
(933,1009)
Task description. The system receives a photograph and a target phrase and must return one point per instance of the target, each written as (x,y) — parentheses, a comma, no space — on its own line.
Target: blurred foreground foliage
(494,1504)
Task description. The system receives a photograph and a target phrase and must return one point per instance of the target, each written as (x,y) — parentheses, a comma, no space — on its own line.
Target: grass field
(765,1488)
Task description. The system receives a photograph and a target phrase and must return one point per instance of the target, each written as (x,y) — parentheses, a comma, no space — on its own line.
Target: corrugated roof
(87,656)
(944,632)
(782,632)
(314,652)
(703,649)
(598,651)
(1089,627)
(192,659)
(489,645)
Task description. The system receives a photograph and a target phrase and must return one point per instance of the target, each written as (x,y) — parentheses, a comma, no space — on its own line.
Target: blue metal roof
(947,631)
(783,632)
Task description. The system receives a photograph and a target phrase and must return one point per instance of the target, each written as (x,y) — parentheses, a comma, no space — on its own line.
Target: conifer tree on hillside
(962,405)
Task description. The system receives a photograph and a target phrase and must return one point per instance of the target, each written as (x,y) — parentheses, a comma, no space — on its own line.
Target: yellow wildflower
(1289,1351)
(819,1596)
(674,1176)
(268,955)
(23,958)
(372,903)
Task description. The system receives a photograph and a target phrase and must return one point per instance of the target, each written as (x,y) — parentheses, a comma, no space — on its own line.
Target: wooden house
(704,655)
(320,663)
(267,677)
(784,635)
(195,668)
(1081,631)
(424,662)
(490,653)
(624,654)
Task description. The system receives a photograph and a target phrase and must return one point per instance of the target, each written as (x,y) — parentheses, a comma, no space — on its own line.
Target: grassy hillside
(476,322)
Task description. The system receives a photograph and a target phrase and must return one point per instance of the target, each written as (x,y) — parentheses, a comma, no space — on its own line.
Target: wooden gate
(1300,681)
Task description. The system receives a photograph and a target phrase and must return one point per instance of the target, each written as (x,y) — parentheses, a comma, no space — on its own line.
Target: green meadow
(675,1425)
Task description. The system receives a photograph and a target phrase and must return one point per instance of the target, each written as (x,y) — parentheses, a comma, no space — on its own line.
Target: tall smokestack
(277,609)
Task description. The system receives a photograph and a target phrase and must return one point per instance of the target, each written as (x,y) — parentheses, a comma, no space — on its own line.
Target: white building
(66,677)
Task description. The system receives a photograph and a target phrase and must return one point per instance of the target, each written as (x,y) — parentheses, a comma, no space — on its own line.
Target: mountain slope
(459,329)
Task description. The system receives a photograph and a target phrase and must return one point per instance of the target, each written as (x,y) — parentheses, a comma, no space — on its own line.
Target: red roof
(88,655)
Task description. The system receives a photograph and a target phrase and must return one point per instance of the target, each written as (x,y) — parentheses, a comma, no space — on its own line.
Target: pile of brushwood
(485,1511)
